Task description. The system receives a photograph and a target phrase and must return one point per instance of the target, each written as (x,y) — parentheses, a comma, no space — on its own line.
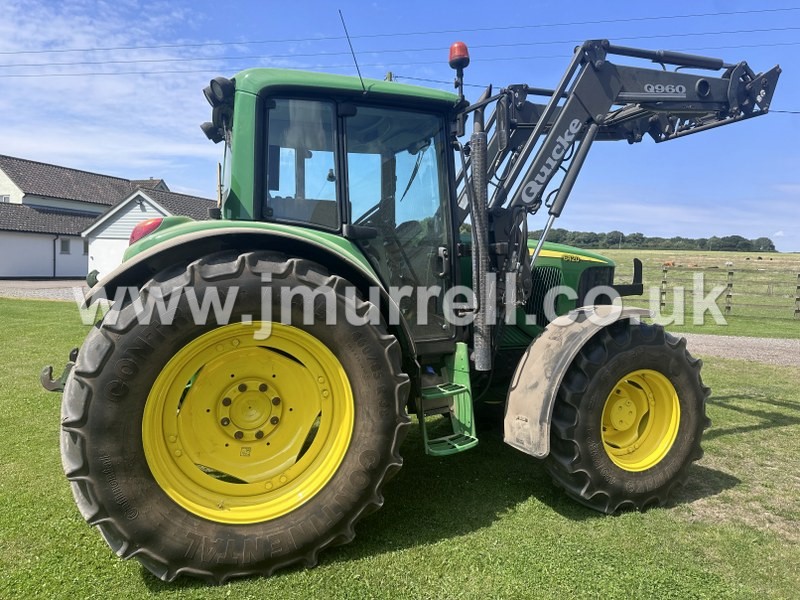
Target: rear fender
(532,394)
(186,248)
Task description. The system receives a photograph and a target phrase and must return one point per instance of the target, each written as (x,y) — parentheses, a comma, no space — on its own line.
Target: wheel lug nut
(262,387)
(242,387)
(238,435)
(259,434)
(276,401)
(225,421)
(226,402)
(274,420)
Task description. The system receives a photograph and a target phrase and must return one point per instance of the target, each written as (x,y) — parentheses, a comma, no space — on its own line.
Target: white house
(39,242)
(45,208)
(107,237)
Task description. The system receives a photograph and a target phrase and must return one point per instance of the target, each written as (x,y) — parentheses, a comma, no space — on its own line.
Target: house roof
(52,181)
(34,219)
(182,204)
(151,184)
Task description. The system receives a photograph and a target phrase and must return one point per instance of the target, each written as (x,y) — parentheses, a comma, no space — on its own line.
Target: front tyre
(215,450)
(628,419)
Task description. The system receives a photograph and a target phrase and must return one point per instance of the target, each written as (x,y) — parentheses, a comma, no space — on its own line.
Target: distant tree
(734,242)
(558,235)
(635,240)
(587,239)
(615,238)
(763,244)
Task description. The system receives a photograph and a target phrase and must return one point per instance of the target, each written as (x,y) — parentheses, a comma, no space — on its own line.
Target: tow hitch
(57,385)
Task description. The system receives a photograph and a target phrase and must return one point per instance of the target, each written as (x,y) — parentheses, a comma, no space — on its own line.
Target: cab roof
(256,80)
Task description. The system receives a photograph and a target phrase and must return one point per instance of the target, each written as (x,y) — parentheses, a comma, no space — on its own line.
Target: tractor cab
(373,166)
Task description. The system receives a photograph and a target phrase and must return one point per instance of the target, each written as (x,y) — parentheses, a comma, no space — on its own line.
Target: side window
(301,177)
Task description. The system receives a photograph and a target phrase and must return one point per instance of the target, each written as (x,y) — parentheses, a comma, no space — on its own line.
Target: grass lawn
(484,524)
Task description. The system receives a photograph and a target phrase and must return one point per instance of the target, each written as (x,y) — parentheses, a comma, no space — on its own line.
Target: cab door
(398,187)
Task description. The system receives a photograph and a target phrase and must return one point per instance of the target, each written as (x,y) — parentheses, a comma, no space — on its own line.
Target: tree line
(617,239)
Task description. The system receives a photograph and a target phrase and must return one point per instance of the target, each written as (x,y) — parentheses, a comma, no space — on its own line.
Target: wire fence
(748,293)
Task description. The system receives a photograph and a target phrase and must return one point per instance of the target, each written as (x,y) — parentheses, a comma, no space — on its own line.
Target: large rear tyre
(628,419)
(202,449)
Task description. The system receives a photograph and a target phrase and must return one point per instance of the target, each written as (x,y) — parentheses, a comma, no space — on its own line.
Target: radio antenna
(347,35)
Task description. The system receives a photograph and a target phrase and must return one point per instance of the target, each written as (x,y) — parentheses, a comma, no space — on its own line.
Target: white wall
(26,254)
(73,264)
(31,255)
(119,225)
(8,187)
(105,255)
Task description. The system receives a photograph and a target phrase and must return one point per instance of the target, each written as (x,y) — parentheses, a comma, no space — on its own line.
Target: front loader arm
(522,146)
(624,102)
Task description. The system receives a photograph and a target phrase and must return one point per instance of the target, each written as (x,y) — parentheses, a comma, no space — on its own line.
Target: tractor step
(453,398)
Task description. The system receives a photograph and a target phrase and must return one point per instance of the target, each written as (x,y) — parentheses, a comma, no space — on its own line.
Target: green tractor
(244,399)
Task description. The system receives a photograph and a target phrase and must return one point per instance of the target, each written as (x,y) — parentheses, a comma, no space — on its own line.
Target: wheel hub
(249,410)
(623,414)
(640,420)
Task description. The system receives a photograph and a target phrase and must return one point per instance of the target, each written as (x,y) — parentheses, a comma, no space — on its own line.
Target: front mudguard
(532,394)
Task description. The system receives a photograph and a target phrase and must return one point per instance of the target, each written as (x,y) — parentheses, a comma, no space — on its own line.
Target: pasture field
(764,291)
(485,523)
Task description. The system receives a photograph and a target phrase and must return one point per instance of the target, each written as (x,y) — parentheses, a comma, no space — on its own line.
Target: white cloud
(792,189)
(778,233)
(140,124)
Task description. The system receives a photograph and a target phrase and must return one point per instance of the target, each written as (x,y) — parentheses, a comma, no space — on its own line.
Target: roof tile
(34,219)
(52,181)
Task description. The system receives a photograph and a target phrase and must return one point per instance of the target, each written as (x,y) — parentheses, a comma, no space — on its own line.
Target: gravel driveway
(60,289)
(772,351)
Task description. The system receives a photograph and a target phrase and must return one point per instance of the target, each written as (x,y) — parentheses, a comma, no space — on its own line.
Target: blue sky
(140,117)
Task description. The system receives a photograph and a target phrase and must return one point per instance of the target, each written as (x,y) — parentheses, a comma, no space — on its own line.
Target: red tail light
(144,228)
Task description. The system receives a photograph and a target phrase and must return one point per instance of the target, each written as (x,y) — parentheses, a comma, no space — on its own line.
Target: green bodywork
(175,227)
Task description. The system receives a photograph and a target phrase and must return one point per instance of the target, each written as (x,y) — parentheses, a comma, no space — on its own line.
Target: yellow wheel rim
(641,417)
(242,430)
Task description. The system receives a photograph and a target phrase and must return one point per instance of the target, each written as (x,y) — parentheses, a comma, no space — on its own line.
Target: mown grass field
(765,286)
(486,523)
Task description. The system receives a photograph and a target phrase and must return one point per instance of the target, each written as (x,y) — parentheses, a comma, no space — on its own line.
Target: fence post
(663,299)
(797,299)
(729,294)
